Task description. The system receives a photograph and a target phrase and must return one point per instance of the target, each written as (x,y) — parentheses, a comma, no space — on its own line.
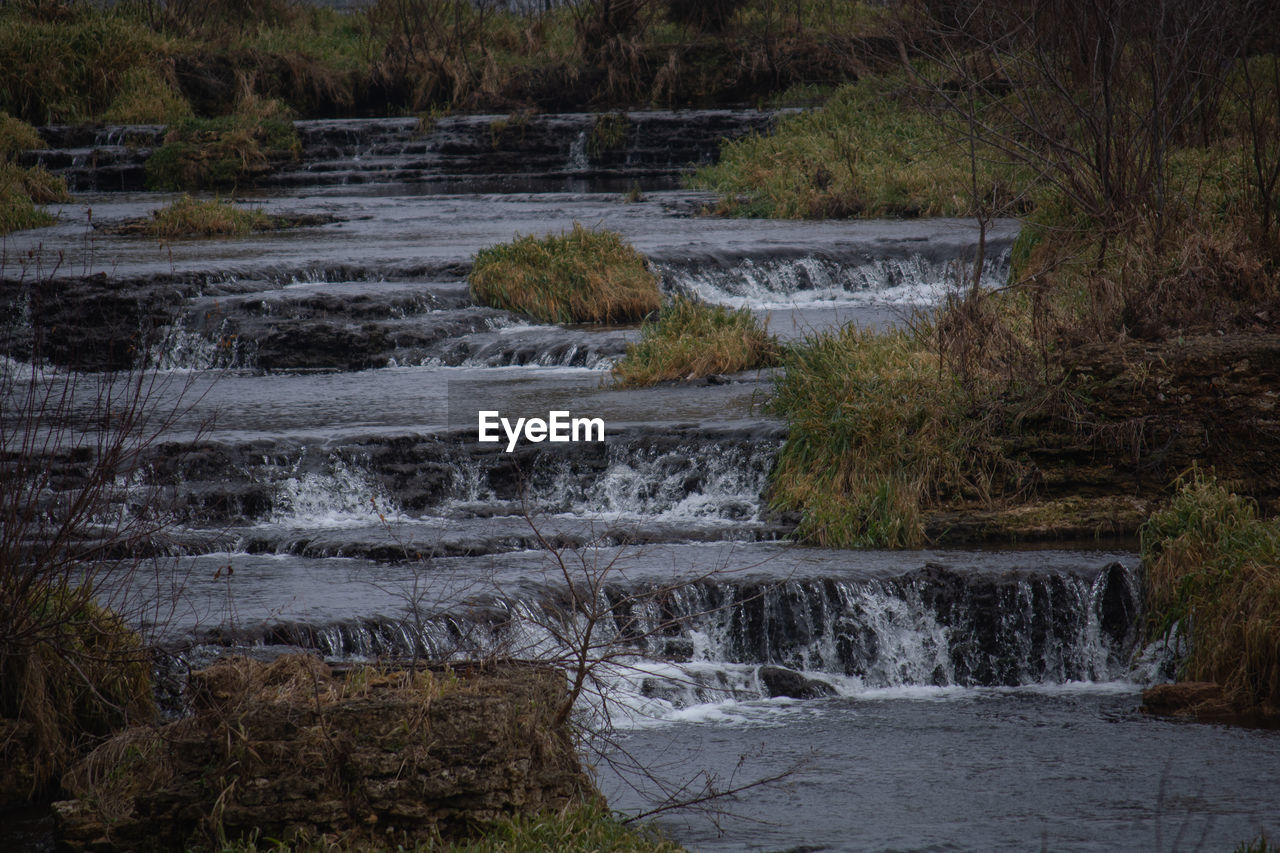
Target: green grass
(79,61)
(584,829)
(69,66)
(876,433)
(691,340)
(189,217)
(222,152)
(21,189)
(579,276)
(146,97)
(1213,568)
(870,151)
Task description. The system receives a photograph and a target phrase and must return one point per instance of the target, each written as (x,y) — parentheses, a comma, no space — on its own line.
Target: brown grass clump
(189,217)
(580,276)
(83,677)
(691,340)
(1213,570)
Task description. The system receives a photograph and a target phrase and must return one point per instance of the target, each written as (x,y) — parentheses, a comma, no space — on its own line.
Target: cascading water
(948,698)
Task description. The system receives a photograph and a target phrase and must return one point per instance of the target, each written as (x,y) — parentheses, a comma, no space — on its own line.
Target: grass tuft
(146,97)
(189,217)
(691,340)
(876,431)
(85,677)
(21,189)
(1213,568)
(580,276)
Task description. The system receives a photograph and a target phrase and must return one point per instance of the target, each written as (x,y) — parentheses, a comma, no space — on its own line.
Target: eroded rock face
(288,749)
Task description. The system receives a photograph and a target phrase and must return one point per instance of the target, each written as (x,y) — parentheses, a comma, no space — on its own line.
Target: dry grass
(691,340)
(146,96)
(1213,569)
(580,276)
(85,677)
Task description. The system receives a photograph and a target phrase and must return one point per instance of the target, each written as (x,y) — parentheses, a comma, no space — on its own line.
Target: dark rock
(779,681)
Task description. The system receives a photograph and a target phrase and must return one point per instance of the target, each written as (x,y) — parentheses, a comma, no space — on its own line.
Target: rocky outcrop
(1132,418)
(780,681)
(288,749)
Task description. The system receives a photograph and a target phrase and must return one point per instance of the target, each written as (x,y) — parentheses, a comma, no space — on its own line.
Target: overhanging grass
(81,676)
(1213,569)
(692,339)
(22,189)
(580,276)
(876,431)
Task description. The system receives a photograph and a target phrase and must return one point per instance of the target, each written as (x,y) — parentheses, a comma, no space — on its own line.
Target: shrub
(580,276)
(1213,569)
(221,152)
(692,339)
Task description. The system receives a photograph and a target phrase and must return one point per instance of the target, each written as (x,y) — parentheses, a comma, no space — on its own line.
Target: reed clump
(692,339)
(1213,571)
(579,276)
(21,189)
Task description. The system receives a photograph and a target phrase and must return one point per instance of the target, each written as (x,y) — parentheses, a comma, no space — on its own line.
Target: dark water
(974,700)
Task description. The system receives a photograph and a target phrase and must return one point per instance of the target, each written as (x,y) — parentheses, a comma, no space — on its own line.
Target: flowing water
(331,379)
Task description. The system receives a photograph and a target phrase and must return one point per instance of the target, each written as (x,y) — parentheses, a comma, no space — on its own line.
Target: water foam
(790,282)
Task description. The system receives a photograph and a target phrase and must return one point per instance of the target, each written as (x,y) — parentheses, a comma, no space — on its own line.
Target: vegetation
(691,340)
(876,432)
(71,670)
(872,150)
(580,276)
(1148,175)
(21,189)
(582,829)
(189,217)
(81,61)
(1213,571)
(222,152)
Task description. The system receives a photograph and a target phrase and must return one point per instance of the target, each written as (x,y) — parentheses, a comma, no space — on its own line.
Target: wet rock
(779,681)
